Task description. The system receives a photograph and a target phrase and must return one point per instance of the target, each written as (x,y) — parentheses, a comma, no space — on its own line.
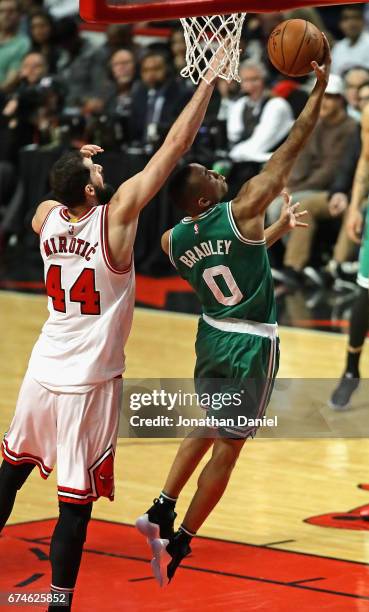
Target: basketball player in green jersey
(359,322)
(220,248)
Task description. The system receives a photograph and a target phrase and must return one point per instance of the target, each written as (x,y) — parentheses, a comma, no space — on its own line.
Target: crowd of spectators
(61,87)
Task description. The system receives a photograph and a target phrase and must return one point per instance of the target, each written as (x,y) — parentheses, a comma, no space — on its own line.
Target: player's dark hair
(179,190)
(69,177)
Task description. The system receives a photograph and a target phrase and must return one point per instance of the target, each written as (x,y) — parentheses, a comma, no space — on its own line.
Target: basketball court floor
(289,532)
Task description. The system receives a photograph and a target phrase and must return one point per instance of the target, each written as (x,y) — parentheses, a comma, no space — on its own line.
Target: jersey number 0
(82,291)
(209,277)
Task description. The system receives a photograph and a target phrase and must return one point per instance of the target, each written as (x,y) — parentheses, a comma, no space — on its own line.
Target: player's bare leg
(158,521)
(211,485)
(189,455)
(212,482)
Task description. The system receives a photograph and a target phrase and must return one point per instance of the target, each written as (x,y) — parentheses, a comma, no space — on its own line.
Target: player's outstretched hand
(289,217)
(354,225)
(322,71)
(90,150)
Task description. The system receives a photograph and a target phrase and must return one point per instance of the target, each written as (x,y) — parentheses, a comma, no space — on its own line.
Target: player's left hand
(289,217)
(90,150)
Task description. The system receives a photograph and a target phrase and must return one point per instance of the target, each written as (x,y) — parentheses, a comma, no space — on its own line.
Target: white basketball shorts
(76,431)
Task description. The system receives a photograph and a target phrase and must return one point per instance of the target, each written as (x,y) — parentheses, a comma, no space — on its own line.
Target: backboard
(131,11)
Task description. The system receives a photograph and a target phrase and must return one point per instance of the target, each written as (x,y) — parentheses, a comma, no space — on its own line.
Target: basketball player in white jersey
(68,406)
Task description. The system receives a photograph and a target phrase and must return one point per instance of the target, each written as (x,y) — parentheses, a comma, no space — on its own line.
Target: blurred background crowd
(63,84)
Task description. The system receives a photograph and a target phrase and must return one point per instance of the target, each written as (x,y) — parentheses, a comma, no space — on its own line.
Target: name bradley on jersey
(205,249)
(74,246)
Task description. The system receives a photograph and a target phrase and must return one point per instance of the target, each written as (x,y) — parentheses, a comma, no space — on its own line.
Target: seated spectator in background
(112,128)
(123,71)
(257,124)
(322,206)
(353,50)
(42,33)
(354,78)
(363,96)
(118,36)
(157,100)
(75,65)
(27,7)
(322,178)
(13,45)
(26,107)
(211,144)
(316,166)
(291,91)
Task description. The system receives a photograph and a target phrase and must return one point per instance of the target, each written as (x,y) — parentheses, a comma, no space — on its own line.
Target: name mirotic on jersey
(69,245)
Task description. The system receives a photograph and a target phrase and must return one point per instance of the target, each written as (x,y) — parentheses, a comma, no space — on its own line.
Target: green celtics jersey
(230,274)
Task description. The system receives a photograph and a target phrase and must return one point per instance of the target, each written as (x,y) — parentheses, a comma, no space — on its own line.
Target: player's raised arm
(360,185)
(259,191)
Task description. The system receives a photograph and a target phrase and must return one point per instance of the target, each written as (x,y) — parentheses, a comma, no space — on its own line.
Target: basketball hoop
(207,37)
(133,11)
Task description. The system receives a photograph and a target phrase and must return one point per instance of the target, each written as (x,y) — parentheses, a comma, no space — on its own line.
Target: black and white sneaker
(157,522)
(168,556)
(341,396)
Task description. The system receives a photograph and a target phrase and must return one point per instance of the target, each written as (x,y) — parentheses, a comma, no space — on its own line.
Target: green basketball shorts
(235,373)
(363,275)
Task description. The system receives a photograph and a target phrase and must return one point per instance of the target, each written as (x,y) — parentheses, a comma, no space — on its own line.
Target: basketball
(293,45)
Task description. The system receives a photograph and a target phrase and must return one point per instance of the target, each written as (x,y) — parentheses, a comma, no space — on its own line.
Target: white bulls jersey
(90,304)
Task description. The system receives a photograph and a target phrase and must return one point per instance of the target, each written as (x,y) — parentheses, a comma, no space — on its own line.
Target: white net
(213,47)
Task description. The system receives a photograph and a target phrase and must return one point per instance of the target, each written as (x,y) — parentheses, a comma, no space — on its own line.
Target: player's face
(103,191)
(96,173)
(212,187)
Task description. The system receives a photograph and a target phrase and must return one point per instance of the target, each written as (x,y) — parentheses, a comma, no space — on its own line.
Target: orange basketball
(293,45)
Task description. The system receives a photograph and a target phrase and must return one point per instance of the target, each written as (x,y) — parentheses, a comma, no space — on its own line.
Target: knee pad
(73,521)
